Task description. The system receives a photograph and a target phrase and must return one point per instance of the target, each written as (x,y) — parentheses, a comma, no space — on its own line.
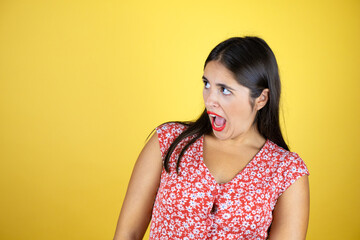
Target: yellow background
(83,83)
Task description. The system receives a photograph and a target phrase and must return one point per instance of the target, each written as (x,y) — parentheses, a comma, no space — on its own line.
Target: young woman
(229,174)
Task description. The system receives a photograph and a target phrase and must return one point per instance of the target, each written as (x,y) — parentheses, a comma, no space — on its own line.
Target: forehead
(217,71)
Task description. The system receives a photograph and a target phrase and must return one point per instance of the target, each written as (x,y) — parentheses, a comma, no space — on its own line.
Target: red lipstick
(213,124)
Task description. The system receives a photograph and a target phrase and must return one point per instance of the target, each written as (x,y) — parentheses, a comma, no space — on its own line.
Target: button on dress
(192,205)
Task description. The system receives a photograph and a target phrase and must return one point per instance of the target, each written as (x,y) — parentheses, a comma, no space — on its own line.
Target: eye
(206,84)
(225,91)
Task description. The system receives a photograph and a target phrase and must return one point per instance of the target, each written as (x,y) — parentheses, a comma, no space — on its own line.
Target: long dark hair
(254,66)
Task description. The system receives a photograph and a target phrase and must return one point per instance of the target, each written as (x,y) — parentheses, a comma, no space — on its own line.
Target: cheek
(239,111)
(205,95)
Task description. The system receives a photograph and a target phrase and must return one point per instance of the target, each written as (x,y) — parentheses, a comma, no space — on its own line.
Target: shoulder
(167,133)
(170,129)
(284,157)
(289,166)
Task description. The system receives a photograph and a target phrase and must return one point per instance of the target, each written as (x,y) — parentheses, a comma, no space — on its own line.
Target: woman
(229,174)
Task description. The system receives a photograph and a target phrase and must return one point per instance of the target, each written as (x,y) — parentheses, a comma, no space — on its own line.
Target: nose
(211,99)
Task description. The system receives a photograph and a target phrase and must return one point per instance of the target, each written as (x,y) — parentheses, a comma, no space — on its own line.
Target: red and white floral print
(192,205)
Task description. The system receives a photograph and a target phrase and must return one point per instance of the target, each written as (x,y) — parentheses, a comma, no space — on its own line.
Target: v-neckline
(247,166)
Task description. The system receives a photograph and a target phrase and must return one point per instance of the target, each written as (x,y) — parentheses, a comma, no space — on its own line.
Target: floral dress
(192,205)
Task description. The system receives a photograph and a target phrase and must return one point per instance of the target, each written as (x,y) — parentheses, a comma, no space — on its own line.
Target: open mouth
(217,122)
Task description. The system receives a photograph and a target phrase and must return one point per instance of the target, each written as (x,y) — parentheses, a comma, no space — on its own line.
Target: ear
(261,101)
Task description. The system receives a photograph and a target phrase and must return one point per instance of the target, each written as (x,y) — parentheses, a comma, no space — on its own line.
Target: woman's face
(227,103)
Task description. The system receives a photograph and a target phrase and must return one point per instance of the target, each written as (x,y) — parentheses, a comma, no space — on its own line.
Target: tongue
(219,121)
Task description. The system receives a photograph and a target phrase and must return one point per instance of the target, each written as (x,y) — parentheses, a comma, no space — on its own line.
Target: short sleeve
(294,168)
(167,133)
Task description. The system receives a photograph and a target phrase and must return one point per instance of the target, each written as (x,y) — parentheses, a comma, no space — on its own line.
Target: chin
(220,135)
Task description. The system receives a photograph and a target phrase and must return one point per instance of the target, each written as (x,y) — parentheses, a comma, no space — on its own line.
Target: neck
(252,138)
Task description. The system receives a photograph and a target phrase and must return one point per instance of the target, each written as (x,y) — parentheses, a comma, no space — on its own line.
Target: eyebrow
(219,84)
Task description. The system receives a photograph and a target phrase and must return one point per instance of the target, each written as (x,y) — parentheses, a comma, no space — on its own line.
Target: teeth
(212,115)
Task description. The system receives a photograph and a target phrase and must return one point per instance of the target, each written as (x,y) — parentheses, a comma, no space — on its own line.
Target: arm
(136,210)
(291,212)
